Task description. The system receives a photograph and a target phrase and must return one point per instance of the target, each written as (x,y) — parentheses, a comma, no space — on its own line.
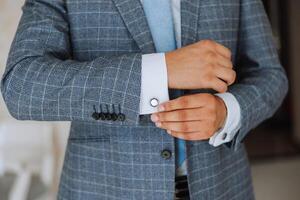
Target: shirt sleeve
(154,83)
(232,122)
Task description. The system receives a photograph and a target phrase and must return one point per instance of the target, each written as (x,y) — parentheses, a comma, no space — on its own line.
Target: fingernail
(158,124)
(154,118)
(169,131)
(161,108)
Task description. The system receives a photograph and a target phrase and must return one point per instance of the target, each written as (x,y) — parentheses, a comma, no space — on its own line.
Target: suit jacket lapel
(134,18)
(189,21)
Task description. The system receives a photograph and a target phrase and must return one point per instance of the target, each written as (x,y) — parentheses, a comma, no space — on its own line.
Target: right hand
(203,65)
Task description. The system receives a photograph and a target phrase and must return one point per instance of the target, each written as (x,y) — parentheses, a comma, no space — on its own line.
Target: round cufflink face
(154,102)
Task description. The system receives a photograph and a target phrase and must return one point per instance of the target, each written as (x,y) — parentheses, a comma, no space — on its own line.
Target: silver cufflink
(154,102)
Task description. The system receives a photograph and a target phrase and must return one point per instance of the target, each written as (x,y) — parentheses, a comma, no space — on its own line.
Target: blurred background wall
(10,13)
(273,147)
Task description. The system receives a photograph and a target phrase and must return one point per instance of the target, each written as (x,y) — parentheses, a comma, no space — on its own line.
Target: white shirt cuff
(232,122)
(154,87)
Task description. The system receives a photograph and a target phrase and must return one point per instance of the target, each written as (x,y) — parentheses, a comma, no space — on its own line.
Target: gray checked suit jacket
(69,56)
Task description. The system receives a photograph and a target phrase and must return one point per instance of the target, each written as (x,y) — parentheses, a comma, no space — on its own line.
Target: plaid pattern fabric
(69,55)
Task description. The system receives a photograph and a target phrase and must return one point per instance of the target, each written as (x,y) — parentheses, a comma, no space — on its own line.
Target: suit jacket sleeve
(43,82)
(262,83)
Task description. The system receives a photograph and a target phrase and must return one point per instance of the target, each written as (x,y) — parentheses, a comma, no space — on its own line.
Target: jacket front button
(166,154)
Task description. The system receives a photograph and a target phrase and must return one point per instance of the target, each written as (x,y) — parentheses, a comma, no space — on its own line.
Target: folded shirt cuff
(154,83)
(232,122)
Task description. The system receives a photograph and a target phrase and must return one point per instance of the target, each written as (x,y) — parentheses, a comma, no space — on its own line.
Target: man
(107,65)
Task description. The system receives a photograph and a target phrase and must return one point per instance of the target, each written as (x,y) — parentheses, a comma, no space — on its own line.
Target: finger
(225,74)
(184,102)
(224,51)
(218,85)
(223,61)
(194,114)
(194,136)
(189,126)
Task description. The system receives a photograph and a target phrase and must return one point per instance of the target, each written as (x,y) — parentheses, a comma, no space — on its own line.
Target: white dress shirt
(154,88)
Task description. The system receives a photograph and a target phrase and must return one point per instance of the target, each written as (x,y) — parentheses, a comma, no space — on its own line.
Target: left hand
(191,117)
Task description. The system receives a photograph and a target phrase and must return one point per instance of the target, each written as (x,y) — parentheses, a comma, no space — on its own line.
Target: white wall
(10,12)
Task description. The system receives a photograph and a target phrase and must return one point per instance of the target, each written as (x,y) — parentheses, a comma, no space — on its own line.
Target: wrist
(170,58)
(222,112)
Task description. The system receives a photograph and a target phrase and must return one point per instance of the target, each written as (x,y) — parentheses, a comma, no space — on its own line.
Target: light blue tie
(160,21)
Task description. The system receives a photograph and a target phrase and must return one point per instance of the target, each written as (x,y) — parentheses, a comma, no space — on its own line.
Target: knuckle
(194,49)
(233,77)
(167,106)
(229,53)
(230,64)
(207,42)
(223,88)
(160,116)
(211,56)
(170,105)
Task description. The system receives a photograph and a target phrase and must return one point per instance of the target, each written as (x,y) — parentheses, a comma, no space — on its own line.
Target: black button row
(108,115)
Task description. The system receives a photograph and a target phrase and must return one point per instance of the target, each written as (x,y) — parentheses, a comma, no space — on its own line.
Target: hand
(192,117)
(203,65)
